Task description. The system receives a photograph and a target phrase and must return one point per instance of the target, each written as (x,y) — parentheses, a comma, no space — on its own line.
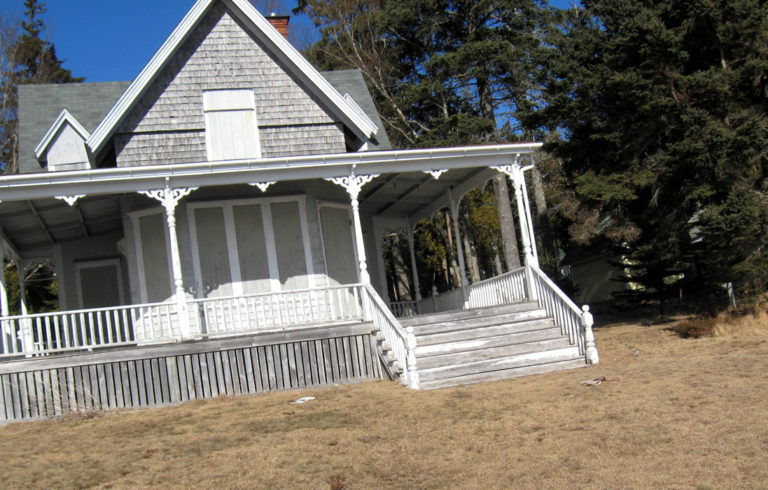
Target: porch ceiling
(416,195)
(32,226)
(32,219)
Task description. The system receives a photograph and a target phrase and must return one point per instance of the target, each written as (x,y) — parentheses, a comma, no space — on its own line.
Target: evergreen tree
(662,108)
(28,59)
(442,72)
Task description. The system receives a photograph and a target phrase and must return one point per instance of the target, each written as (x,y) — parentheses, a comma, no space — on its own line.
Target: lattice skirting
(163,375)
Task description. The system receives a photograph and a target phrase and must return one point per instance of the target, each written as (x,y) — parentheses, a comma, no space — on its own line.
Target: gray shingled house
(215,227)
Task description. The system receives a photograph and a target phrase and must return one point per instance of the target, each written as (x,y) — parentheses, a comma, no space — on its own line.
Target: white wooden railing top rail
(402,343)
(574,321)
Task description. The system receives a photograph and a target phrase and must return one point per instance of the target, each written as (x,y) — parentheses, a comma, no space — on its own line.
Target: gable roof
(272,40)
(39,106)
(64,118)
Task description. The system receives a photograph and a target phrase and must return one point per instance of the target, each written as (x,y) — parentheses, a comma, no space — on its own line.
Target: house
(214,227)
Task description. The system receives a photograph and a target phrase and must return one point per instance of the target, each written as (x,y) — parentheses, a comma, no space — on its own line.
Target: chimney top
(280,22)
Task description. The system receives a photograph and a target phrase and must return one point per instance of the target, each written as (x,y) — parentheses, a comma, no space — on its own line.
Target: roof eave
(131,179)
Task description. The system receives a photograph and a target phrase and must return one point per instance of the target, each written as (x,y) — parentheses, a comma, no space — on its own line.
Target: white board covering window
(231,131)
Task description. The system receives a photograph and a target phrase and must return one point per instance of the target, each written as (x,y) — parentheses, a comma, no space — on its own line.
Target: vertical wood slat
(174,378)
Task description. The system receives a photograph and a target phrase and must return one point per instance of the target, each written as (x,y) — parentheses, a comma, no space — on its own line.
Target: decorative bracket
(352,184)
(71,200)
(436,173)
(263,186)
(169,197)
(512,170)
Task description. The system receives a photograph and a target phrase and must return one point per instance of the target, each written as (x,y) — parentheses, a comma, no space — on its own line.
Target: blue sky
(111,40)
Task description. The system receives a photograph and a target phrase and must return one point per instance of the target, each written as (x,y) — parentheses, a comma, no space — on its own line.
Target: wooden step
(424,351)
(503,374)
(504,351)
(483,332)
(481,321)
(474,367)
(446,316)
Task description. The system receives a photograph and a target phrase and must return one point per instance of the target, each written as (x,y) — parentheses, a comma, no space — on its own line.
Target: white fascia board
(64,117)
(132,179)
(354,115)
(105,129)
(107,126)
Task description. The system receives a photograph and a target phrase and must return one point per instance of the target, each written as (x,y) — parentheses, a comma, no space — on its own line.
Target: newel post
(169,198)
(589,336)
(412,374)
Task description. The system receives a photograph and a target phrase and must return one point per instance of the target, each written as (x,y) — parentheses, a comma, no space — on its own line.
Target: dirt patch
(673,412)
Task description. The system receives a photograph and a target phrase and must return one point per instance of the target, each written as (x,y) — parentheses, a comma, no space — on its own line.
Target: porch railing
(399,341)
(45,333)
(560,307)
(504,289)
(267,311)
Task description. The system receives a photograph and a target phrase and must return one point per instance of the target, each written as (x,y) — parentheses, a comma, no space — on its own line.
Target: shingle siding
(220,54)
(300,140)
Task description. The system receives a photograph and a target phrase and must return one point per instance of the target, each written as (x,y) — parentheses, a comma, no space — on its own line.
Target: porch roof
(34,215)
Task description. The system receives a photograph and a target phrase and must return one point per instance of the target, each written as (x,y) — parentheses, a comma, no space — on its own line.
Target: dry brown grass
(682,413)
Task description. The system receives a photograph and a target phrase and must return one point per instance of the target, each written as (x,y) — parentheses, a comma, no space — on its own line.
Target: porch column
(459,246)
(26,336)
(414,267)
(353,184)
(4,309)
(528,216)
(515,172)
(22,277)
(169,198)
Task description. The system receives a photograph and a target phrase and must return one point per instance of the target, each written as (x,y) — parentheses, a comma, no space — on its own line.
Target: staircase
(486,344)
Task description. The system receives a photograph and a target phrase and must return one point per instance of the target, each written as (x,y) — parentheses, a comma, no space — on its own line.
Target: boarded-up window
(230,125)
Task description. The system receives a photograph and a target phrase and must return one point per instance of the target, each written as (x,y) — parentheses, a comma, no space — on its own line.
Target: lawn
(673,412)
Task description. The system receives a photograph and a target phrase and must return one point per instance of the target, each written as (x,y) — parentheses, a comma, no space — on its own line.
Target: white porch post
(20,266)
(170,198)
(414,267)
(25,334)
(4,309)
(528,217)
(515,172)
(459,246)
(353,184)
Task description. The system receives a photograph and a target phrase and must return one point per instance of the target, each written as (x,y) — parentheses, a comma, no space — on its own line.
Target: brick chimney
(280,22)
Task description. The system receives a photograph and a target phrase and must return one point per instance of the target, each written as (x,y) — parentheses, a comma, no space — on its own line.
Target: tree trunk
(402,283)
(471,253)
(507,221)
(497,261)
(541,219)
(451,252)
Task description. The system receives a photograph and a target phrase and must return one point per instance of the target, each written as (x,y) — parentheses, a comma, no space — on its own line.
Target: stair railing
(577,323)
(401,343)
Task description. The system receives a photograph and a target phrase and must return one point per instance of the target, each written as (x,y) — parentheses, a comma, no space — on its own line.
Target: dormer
(63,146)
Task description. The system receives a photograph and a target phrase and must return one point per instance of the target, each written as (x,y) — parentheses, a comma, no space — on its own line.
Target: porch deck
(144,355)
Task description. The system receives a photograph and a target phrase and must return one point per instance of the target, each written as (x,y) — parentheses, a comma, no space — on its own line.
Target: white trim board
(151,177)
(273,40)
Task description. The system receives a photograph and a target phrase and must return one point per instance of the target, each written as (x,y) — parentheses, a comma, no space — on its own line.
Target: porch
(282,256)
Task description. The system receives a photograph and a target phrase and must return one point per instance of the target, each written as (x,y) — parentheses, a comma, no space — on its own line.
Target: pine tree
(662,108)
